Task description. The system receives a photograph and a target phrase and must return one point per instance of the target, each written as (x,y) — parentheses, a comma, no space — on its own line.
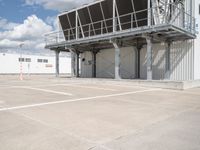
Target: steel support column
(149,58)
(57,63)
(77,64)
(137,52)
(73,62)
(94,70)
(117,60)
(167,60)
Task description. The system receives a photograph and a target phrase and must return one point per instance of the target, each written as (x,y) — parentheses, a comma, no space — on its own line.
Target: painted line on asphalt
(75,100)
(51,85)
(98,88)
(92,87)
(81,85)
(43,90)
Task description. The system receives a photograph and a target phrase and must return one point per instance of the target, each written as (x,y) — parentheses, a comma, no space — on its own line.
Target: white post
(21,69)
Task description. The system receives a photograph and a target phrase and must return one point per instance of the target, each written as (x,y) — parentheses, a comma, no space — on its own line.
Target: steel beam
(92,22)
(135,16)
(77,33)
(70,27)
(149,13)
(114,16)
(57,62)
(149,58)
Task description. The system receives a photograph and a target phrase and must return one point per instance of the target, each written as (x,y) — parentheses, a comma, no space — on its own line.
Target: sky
(26,21)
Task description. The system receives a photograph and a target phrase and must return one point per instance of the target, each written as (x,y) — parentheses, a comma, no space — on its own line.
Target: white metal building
(33,64)
(130,39)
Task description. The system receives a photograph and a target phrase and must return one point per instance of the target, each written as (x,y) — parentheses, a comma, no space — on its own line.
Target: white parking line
(78,85)
(43,90)
(75,100)
(93,87)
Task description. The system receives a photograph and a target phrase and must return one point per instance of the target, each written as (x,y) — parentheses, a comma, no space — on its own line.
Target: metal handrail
(187,22)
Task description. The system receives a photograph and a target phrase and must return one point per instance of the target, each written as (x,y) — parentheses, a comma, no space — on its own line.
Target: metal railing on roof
(175,15)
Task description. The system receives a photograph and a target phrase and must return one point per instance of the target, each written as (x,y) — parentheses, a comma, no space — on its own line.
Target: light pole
(21,74)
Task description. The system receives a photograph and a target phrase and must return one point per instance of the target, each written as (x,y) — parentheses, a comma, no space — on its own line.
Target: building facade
(32,64)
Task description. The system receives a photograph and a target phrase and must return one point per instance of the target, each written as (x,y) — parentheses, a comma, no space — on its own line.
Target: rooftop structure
(108,19)
(114,24)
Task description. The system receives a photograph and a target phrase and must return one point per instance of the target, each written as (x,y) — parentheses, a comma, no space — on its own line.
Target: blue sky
(17,10)
(26,21)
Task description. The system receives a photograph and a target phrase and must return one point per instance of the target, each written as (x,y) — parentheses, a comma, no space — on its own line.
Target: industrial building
(32,64)
(131,39)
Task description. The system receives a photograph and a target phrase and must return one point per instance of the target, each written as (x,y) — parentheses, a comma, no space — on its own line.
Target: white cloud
(6,25)
(53,21)
(30,32)
(59,5)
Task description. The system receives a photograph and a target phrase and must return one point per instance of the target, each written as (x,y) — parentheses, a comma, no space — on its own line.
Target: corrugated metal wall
(197,42)
(158,66)
(181,60)
(105,63)
(86,65)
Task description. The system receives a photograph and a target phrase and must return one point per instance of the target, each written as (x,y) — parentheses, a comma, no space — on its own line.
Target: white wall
(9,63)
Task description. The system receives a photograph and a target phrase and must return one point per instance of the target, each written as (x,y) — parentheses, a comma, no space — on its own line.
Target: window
(21,59)
(28,60)
(42,60)
(45,60)
(39,60)
(24,59)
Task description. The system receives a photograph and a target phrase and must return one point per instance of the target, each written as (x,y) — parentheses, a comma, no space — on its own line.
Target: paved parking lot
(47,113)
